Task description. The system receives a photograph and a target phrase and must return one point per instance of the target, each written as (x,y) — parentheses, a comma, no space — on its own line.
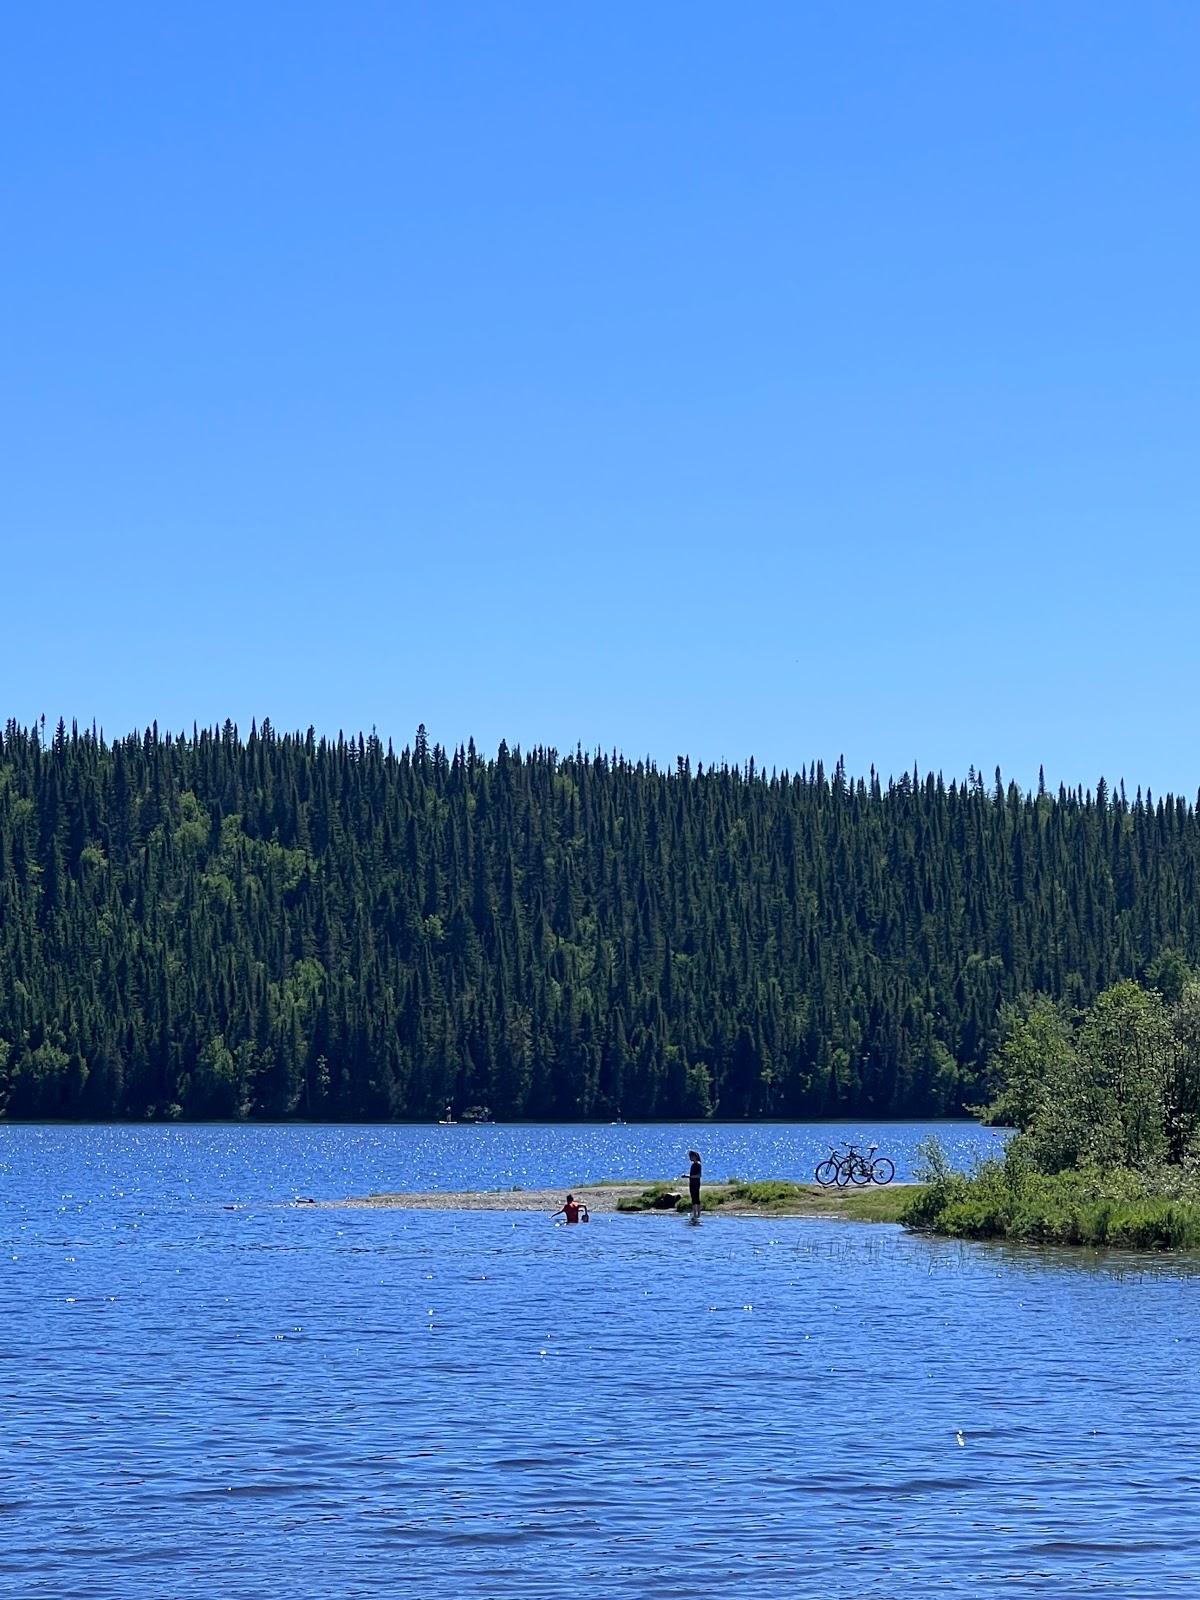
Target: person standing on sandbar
(694,1183)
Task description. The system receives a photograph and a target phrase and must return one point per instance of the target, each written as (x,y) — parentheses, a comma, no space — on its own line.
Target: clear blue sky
(781,380)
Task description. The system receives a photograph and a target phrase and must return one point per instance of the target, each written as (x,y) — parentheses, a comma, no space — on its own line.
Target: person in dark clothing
(694,1183)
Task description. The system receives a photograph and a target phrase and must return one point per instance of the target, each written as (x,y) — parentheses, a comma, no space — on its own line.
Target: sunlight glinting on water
(277,1399)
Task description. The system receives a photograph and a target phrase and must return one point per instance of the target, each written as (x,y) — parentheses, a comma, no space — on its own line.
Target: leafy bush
(1121,1087)
(650,1199)
(1108,1113)
(766,1193)
(1119,1207)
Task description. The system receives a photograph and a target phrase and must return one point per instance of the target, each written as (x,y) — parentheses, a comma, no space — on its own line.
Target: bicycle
(855,1168)
(828,1170)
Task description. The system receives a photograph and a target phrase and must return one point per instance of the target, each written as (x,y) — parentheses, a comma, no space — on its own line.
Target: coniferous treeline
(289,927)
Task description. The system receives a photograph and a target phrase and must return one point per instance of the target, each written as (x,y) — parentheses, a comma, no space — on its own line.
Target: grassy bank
(1119,1207)
(774,1198)
(1106,1107)
(732,1196)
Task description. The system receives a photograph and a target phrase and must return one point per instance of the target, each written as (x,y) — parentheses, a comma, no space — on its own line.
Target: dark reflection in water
(276,1401)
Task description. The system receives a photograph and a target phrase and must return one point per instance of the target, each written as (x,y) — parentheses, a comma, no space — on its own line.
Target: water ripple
(274,1401)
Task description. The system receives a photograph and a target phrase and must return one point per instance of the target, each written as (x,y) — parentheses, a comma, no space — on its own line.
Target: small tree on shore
(1120,1091)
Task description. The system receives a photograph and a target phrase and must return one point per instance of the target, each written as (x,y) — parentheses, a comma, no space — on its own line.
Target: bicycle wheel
(827,1172)
(883,1170)
(860,1173)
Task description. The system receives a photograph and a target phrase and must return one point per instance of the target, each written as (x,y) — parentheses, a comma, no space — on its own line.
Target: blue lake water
(276,1400)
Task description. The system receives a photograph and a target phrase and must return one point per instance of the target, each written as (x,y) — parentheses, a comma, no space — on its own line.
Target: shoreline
(875,1204)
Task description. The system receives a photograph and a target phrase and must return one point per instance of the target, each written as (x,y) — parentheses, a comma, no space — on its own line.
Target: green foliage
(652,1198)
(1117,1208)
(1101,1096)
(1170,974)
(773,1196)
(932,1164)
(1183,1088)
(1036,1047)
(943,1191)
(886,1203)
(1109,1151)
(281,926)
(767,1192)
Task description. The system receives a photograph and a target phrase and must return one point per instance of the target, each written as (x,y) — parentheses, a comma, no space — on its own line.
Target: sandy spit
(596,1198)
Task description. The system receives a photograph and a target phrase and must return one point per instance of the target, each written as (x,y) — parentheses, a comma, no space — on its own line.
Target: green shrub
(1121,1208)
(766,1193)
(648,1199)
(1107,1105)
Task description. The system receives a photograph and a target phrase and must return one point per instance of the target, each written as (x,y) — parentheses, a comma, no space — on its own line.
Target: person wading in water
(572,1208)
(694,1183)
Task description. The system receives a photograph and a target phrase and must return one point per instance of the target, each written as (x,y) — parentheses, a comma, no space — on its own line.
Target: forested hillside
(279,926)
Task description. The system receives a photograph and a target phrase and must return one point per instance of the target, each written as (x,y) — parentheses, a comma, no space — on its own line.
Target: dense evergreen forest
(281,926)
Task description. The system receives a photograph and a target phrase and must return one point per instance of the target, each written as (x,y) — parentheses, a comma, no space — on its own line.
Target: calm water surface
(273,1400)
